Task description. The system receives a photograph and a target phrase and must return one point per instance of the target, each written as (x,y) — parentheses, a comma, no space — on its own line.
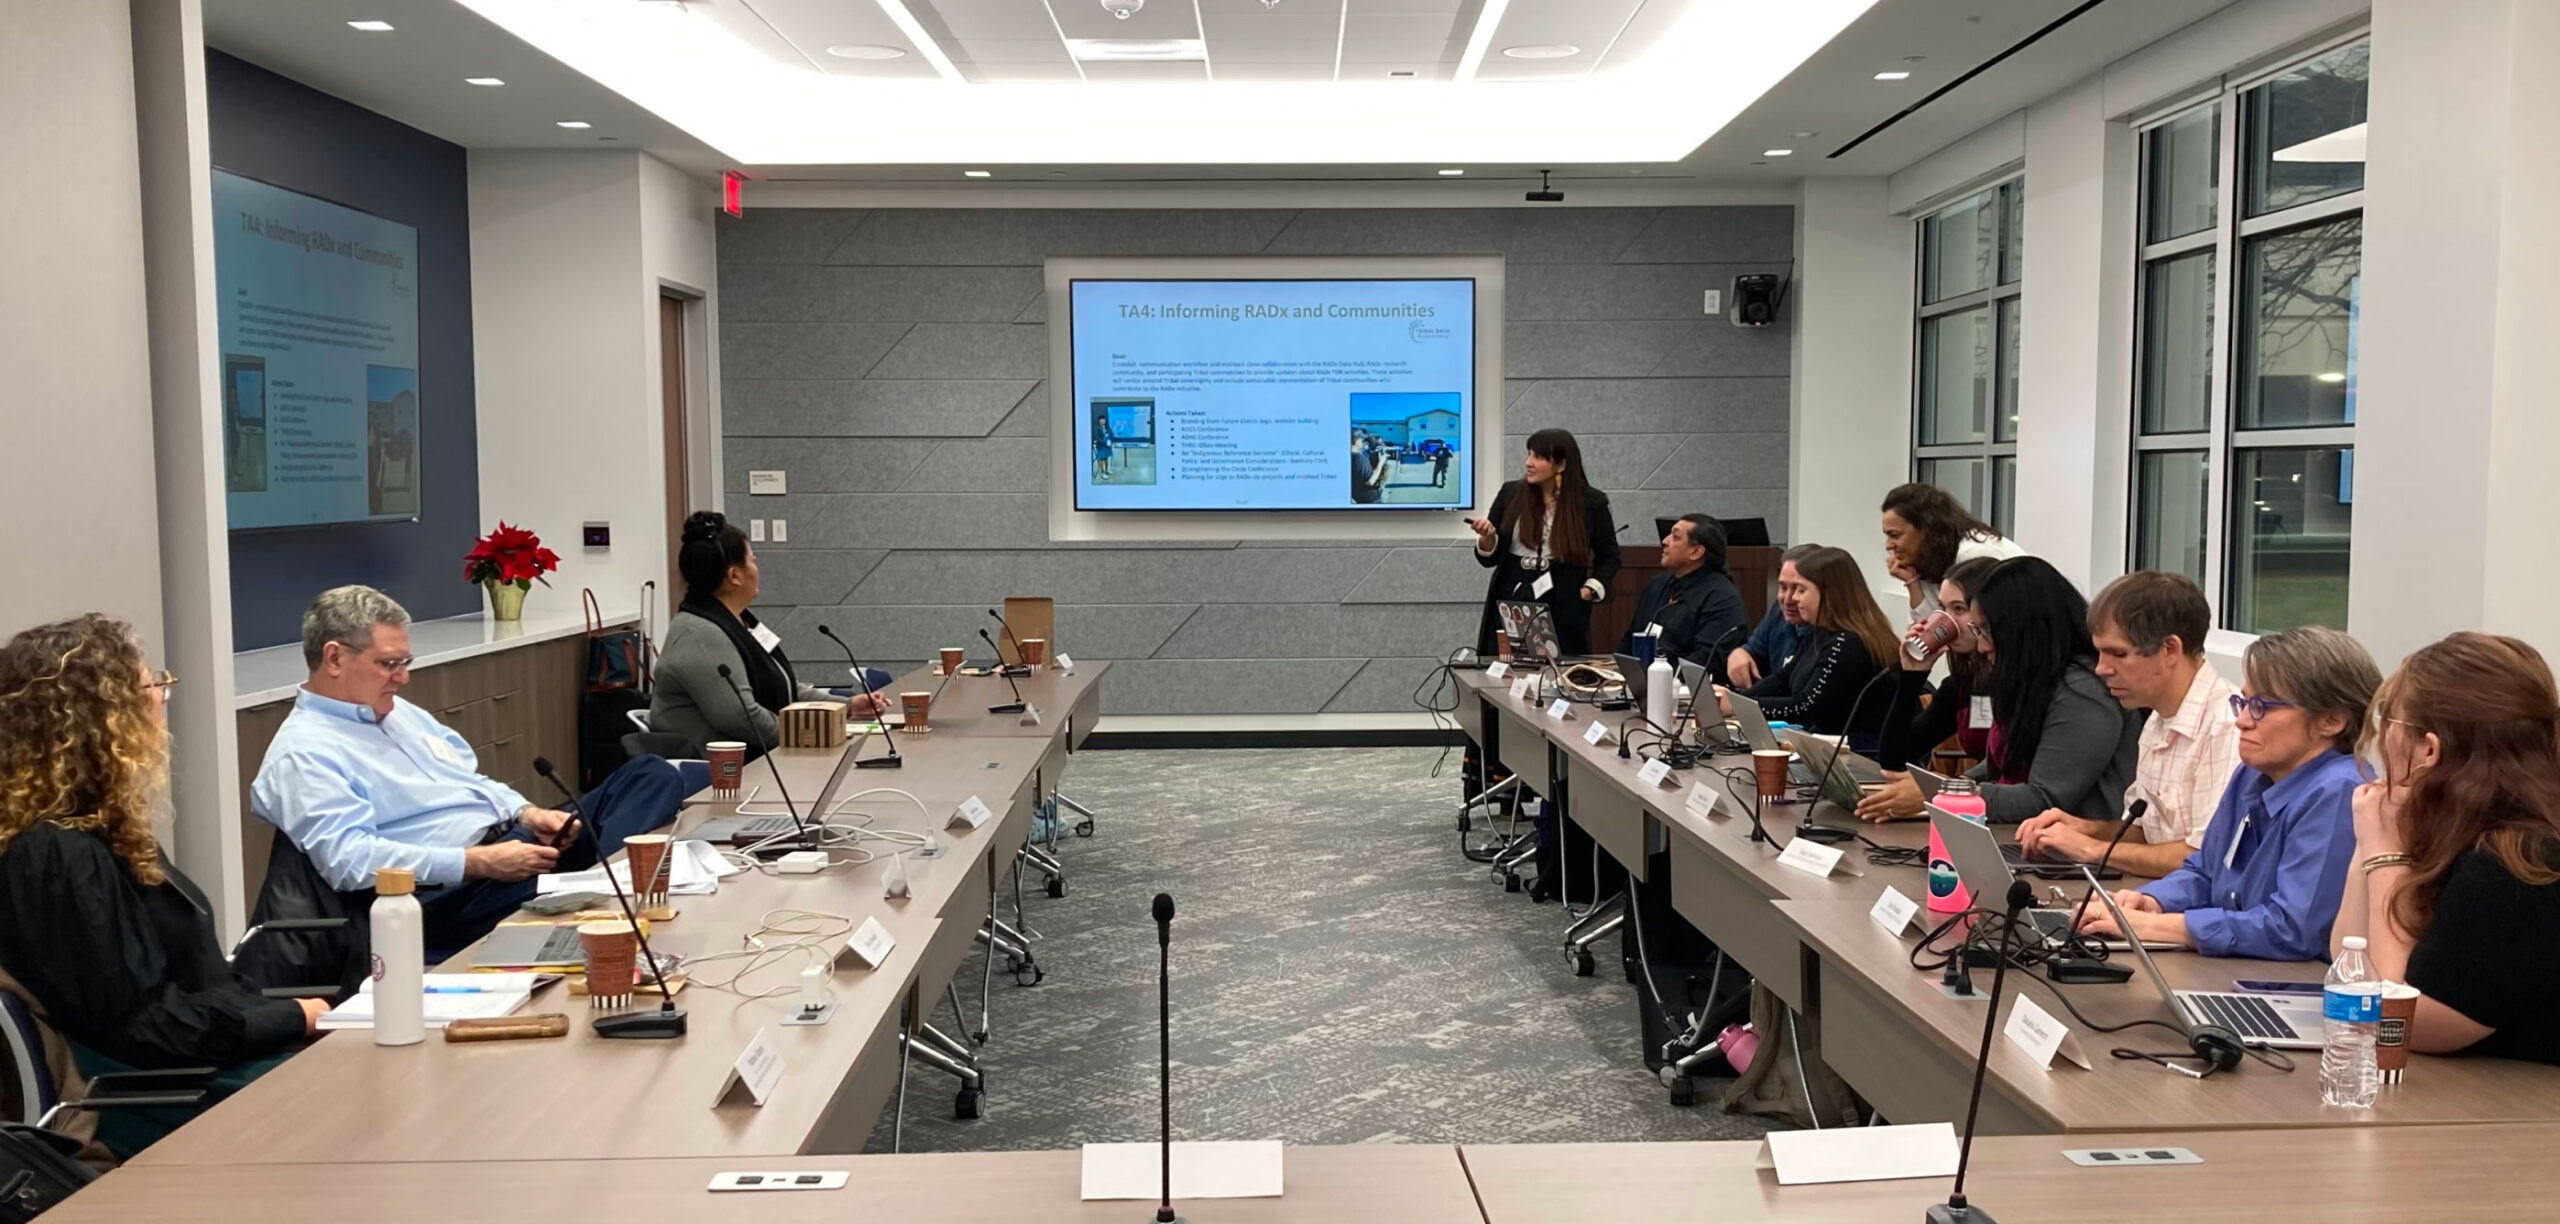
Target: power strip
(778,1181)
(2099,1158)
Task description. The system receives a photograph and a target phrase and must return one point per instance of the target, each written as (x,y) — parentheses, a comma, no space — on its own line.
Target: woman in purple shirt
(2265,883)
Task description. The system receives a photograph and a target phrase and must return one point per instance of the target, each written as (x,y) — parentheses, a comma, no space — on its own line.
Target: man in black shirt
(1693,600)
(1366,472)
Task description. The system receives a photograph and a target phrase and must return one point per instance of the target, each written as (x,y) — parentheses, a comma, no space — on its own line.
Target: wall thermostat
(598,535)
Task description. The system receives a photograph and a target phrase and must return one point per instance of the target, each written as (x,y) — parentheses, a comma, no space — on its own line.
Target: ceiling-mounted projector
(1546,192)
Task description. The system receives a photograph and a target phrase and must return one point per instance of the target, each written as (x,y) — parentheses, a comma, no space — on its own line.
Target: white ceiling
(1011,63)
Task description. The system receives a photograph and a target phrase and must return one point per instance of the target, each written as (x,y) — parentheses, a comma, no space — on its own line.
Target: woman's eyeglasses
(2256,707)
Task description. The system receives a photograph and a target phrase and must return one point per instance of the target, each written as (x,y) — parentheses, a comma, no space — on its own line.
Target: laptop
(2038,865)
(1975,848)
(2286,1022)
(1631,670)
(1753,723)
(748,830)
(527,945)
(1531,627)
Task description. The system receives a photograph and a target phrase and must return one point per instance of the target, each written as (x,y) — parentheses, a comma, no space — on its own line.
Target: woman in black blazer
(1550,524)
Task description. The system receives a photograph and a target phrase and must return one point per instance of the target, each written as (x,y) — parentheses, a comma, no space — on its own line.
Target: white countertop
(272,674)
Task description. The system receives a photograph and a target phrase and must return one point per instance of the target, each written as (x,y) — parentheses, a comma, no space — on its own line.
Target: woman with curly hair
(114,946)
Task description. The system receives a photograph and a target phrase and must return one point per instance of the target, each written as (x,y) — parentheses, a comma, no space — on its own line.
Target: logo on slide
(1420,332)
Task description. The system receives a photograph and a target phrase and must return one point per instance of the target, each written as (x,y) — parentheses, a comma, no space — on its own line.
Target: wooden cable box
(812,724)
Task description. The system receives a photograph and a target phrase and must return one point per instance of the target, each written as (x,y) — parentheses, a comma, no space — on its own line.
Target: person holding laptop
(1692,602)
(2149,628)
(1549,537)
(1819,686)
(2456,877)
(2264,881)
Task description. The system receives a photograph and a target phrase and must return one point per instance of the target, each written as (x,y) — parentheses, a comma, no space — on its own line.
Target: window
(1965,407)
(2244,387)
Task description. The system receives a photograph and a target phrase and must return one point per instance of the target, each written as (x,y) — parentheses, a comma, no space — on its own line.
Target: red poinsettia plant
(510,555)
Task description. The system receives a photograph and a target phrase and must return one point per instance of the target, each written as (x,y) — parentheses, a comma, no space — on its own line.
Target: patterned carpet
(1340,975)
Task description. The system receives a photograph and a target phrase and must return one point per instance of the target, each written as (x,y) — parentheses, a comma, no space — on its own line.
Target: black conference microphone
(665,1023)
(1956,1210)
(1822,833)
(2089,968)
(1016,705)
(804,842)
(878,711)
(1164,1046)
(1020,667)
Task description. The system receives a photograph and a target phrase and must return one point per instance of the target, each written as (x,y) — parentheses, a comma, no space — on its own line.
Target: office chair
(40,1097)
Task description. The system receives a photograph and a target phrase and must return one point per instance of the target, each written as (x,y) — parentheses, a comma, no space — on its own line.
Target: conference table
(1886,1028)
(345,1100)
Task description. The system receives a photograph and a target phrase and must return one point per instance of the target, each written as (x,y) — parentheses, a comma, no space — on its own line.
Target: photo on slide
(1124,441)
(244,424)
(1406,447)
(391,441)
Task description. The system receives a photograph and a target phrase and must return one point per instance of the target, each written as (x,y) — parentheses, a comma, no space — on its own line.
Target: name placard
(972,812)
(755,1073)
(870,946)
(1654,772)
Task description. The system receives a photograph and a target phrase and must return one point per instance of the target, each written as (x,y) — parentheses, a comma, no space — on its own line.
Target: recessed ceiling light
(575,124)
(1451,173)
(1777,152)
(370,27)
(1400,72)
(1893,76)
(867,51)
(978,173)
(482,81)
(1805,135)
(1057,174)
(1093,50)
(1538,51)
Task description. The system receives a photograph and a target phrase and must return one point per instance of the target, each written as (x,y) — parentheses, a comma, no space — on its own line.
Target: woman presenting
(1551,539)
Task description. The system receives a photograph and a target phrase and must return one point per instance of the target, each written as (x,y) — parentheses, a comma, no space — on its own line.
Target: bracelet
(2380,861)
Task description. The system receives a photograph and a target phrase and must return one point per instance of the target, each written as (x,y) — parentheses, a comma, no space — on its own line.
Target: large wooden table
(1887,1029)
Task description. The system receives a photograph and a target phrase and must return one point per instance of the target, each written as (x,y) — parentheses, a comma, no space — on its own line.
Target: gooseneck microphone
(804,842)
(878,711)
(1016,705)
(1164,1047)
(1019,667)
(667,1022)
(1805,826)
(1956,1210)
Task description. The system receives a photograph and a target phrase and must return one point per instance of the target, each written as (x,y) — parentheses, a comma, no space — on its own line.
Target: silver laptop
(1749,719)
(739,830)
(1844,775)
(2286,1022)
(1975,848)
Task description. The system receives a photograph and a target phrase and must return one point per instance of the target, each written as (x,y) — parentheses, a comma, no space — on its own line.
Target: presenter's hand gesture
(1484,530)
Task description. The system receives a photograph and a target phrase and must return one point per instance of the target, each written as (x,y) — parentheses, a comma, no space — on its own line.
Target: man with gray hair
(361,780)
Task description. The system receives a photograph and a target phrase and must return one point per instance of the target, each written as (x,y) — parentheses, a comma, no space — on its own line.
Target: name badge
(444,752)
(1496,670)
(765,637)
(1653,630)
(1982,713)
(1654,772)
(1559,709)
(757,1070)
(1596,734)
(1544,584)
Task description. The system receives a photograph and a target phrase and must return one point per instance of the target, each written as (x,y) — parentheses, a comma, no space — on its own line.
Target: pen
(437,990)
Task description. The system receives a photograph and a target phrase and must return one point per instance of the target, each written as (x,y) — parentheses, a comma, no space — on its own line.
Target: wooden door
(672,384)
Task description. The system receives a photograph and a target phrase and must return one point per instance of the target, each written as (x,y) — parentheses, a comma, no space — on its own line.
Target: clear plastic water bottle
(2351,1011)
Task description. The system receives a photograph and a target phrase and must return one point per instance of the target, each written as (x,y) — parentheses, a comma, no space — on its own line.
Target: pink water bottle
(1947,893)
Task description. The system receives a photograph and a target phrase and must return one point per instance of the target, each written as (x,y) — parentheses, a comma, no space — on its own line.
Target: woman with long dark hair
(714,627)
(2456,878)
(1926,532)
(1910,730)
(1820,687)
(1549,538)
(2057,739)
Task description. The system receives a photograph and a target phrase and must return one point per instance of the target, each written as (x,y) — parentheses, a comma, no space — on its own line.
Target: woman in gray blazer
(716,626)
(2058,739)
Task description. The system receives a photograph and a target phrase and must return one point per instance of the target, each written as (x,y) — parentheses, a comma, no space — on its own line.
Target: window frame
(2008,286)
(2229,240)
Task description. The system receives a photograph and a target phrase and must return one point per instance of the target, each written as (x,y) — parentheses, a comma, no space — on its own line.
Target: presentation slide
(1273,394)
(319,330)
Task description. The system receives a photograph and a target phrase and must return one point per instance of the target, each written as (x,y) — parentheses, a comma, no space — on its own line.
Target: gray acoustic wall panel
(891,363)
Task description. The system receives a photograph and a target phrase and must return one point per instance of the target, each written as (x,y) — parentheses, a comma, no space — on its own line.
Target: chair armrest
(298,992)
(297,924)
(139,1100)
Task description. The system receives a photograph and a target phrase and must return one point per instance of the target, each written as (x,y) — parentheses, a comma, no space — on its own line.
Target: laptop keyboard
(2246,1015)
(2054,925)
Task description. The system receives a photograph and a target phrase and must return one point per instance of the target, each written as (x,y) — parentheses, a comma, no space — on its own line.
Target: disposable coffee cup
(1035,651)
(728,767)
(2391,1039)
(917,706)
(646,853)
(952,657)
(612,954)
(1769,769)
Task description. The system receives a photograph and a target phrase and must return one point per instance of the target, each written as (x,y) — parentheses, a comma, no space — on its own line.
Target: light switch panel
(755,531)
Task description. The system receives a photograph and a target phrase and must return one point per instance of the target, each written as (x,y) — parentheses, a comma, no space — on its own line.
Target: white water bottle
(2351,1015)
(399,959)
(1660,691)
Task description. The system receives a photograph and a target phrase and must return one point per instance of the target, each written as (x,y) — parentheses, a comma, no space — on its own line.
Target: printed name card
(1860,1153)
(1560,709)
(1065,664)
(1654,772)
(1705,799)
(1893,912)
(1496,670)
(1596,734)
(756,1072)
(870,945)
(971,813)
(1810,857)
(1525,688)
(1030,715)
(2040,1036)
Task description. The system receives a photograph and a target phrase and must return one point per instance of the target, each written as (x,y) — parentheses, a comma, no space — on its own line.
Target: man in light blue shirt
(361,780)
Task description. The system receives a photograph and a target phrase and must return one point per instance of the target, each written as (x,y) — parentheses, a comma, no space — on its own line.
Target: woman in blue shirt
(2266,882)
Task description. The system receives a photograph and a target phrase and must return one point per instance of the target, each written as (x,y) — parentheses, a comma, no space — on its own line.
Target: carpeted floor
(1340,975)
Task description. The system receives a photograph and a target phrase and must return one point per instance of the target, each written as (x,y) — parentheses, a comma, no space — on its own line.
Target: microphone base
(1165,1215)
(1019,671)
(1010,707)
(642,1026)
(1946,1214)
(1823,833)
(891,761)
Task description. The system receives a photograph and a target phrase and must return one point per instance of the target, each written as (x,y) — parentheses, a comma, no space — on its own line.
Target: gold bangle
(2387,860)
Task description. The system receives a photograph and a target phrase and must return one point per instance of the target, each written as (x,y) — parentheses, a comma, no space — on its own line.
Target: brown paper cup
(728,766)
(952,657)
(917,706)
(2391,1044)
(647,854)
(613,956)
(1769,769)
(1035,651)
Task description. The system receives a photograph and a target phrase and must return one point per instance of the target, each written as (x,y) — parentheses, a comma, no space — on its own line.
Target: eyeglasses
(394,665)
(162,680)
(2256,707)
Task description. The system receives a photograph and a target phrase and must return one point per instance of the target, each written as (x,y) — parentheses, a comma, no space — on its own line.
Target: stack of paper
(694,869)
(450,997)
